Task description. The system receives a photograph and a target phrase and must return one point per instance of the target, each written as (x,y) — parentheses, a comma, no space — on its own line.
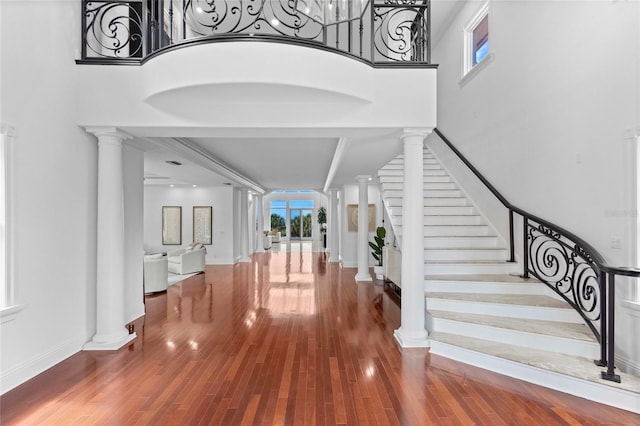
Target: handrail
(570,266)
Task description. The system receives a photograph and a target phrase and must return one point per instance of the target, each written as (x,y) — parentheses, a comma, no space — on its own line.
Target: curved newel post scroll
(567,269)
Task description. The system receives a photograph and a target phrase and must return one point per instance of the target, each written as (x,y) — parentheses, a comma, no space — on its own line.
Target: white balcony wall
(208,89)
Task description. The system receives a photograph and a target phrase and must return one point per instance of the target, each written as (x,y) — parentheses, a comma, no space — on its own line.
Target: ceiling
(280,160)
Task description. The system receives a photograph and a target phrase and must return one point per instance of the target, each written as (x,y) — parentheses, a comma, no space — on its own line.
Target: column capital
(102,131)
(361,178)
(422,132)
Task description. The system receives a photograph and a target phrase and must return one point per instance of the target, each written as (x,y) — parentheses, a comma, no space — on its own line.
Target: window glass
(301,204)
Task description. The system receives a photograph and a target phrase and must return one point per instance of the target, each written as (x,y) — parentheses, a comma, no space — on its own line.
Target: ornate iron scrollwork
(384,31)
(401,33)
(210,17)
(568,270)
(113,29)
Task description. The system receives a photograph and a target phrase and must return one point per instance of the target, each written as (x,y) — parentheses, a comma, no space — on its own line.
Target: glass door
(301,225)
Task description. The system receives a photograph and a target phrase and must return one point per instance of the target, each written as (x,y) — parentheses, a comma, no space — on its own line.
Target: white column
(244,225)
(111,333)
(363,229)
(412,333)
(260,210)
(333,232)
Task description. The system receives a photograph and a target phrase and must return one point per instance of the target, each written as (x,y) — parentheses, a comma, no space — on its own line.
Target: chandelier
(329,12)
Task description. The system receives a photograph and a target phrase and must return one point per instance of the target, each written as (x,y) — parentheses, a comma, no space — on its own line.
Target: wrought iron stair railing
(388,33)
(569,266)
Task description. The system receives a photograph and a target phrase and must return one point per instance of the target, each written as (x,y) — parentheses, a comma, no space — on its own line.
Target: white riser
(453,220)
(400,161)
(447,230)
(399,178)
(435,193)
(461,242)
(446,201)
(396,219)
(484,287)
(518,338)
(431,202)
(466,254)
(456,230)
(398,186)
(505,310)
(449,210)
(484,268)
(434,173)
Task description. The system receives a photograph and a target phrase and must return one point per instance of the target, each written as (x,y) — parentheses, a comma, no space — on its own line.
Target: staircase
(479,311)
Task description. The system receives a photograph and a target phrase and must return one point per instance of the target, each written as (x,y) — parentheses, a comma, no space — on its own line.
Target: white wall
(349,240)
(133,165)
(546,120)
(55,187)
(220,198)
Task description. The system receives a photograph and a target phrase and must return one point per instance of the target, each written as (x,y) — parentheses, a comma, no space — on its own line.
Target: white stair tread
(549,328)
(570,365)
(505,299)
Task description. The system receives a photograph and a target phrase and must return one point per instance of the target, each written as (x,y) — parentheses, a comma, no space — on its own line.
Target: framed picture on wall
(203,224)
(171,225)
(352,217)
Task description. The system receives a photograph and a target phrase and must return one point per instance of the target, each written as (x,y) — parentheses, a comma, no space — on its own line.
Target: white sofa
(186,260)
(155,273)
(275,236)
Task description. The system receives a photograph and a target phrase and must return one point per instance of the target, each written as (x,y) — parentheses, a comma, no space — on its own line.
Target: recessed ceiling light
(194,186)
(174,162)
(171,185)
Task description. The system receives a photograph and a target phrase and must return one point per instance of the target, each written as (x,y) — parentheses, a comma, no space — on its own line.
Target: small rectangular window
(481,40)
(476,39)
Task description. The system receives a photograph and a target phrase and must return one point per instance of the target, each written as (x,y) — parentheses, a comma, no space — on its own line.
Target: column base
(109,345)
(418,339)
(333,259)
(363,277)
(244,259)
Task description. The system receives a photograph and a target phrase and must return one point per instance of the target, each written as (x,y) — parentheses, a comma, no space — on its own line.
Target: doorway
(301,223)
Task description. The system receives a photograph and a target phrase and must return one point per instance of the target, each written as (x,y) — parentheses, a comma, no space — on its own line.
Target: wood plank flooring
(287,339)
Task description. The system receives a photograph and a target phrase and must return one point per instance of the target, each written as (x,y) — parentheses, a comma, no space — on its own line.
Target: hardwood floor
(285,339)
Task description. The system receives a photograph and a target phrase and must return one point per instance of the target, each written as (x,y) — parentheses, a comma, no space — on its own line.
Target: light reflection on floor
(289,287)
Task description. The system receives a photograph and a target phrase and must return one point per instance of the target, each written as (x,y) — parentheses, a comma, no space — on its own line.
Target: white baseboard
(30,368)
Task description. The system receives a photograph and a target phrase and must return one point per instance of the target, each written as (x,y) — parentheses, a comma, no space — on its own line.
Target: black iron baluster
(84,29)
(361,30)
(525,242)
(610,373)
(512,252)
(429,37)
(602,283)
(170,22)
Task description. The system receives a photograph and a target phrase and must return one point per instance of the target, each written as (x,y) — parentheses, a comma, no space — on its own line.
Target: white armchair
(186,261)
(155,273)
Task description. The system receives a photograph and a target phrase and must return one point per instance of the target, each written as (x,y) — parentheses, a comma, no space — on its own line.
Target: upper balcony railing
(379,32)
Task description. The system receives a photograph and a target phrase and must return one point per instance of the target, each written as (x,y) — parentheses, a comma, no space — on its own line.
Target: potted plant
(322,220)
(376,246)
